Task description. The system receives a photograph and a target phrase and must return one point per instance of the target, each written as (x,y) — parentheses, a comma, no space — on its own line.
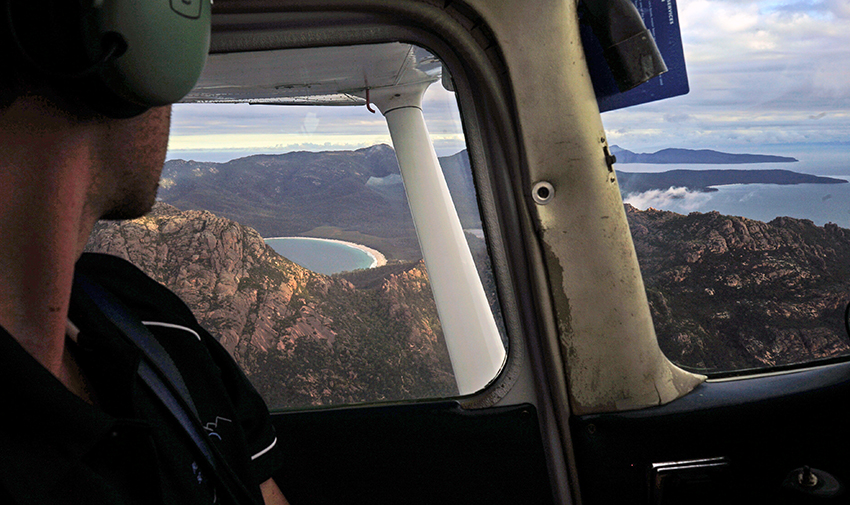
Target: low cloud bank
(673,199)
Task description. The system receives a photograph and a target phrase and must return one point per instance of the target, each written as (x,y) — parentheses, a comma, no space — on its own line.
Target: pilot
(112,393)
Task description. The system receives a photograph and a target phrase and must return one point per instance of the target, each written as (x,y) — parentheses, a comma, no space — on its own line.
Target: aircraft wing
(313,76)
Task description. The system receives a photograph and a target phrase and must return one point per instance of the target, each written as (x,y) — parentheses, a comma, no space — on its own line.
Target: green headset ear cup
(167,42)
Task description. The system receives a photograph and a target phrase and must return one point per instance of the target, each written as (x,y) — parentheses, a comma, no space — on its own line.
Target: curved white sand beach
(378,259)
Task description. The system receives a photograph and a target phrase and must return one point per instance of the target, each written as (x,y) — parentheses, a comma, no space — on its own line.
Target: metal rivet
(543,192)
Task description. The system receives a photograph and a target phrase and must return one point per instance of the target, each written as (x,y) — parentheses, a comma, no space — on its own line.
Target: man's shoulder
(211,375)
(136,289)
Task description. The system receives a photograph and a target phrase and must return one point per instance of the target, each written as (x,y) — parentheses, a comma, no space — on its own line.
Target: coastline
(378,259)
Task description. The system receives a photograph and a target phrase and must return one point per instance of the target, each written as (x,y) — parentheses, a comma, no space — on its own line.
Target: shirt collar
(46,427)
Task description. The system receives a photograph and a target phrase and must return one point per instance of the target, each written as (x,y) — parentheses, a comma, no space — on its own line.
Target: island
(704,180)
(695,156)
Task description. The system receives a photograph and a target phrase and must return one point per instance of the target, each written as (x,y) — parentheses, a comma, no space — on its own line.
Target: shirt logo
(213,426)
(199,476)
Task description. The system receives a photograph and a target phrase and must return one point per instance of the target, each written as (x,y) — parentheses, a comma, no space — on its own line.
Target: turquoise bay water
(319,255)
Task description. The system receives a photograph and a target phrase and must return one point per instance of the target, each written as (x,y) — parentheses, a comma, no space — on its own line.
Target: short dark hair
(11,81)
(13,84)
(20,75)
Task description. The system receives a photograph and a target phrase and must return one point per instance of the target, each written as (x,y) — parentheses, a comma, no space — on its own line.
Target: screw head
(543,192)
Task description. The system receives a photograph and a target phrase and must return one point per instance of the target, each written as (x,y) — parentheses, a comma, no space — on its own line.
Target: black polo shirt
(57,449)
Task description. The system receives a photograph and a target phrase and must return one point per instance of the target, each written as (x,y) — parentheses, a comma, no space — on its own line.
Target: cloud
(672,117)
(759,73)
(680,200)
(197,129)
(211,119)
(835,8)
(839,8)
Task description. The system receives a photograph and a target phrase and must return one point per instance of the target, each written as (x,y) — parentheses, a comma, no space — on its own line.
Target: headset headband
(120,57)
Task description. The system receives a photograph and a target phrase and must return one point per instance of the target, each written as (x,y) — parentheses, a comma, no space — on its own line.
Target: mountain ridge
(348,195)
(694,156)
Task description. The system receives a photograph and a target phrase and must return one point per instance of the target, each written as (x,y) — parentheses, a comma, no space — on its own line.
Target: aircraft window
(737,193)
(287,227)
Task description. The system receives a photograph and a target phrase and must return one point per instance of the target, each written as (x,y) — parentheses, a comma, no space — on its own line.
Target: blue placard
(662,19)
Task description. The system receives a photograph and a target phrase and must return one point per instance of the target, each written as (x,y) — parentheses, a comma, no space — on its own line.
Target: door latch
(691,481)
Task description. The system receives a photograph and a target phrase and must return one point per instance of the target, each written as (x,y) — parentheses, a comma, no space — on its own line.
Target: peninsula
(704,180)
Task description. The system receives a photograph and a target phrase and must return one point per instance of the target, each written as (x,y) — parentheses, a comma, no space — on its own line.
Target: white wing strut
(473,341)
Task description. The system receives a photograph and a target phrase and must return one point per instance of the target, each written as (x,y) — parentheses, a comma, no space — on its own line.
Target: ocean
(322,256)
(821,203)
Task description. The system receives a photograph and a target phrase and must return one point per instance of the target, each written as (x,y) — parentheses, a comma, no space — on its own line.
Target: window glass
(737,193)
(287,231)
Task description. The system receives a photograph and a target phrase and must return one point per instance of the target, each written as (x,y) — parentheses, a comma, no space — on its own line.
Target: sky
(220,132)
(767,77)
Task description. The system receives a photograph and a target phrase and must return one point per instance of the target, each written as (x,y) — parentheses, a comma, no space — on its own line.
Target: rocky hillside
(732,293)
(725,293)
(303,338)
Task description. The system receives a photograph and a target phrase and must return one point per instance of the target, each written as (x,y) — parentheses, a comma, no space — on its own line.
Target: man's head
(75,165)
(119,57)
(111,67)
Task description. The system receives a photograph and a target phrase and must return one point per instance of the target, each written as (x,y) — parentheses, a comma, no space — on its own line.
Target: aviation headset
(120,57)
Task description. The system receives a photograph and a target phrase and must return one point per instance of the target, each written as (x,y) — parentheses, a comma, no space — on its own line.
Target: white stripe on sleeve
(172,326)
